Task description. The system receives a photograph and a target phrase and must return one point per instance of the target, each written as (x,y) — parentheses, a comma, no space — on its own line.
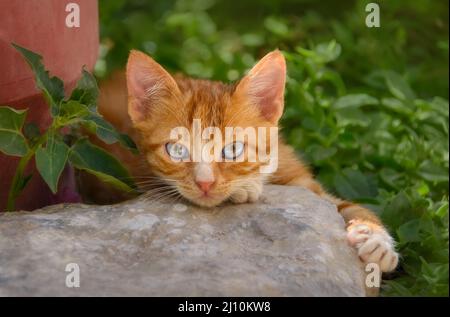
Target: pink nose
(205,186)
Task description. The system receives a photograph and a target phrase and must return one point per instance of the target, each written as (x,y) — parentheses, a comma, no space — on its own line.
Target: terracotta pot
(40,25)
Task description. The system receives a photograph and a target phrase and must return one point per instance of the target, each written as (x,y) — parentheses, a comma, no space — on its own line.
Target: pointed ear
(264,85)
(147,82)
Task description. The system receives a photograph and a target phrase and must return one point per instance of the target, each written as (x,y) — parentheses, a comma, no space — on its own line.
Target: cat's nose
(205,186)
(204,176)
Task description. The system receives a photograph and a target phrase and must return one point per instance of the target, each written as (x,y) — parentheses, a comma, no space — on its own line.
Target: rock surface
(291,243)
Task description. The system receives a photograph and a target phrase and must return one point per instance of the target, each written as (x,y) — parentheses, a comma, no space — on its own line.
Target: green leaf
(52,87)
(252,39)
(12,142)
(398,87)
(353,117)
(398,210)
(92,159)
(441,106)
(353,184)
(86,91)
(393,288)
(50,161)
(322,53)
(443,210)
(409,232)
(390,176)
(433,172)
(396,105)
(347,140)
(320,153)
(328,52)
(73,109)
(276,26)
(355,101)
(31,131)
(106,131)
(423,189)
(313,121)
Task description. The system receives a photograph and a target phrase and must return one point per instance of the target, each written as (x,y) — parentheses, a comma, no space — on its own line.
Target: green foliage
(12,141)
(91,158)
(51,159)
(49,148)
(366,107)
(388,152)
(51,87)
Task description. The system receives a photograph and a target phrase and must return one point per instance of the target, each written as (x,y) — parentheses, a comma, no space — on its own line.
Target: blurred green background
(367,108)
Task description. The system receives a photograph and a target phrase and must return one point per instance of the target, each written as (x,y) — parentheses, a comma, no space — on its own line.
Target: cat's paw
(373,243)
(250,192)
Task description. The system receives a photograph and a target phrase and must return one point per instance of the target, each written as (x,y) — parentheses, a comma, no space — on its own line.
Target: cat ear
(147,81)
(264,85)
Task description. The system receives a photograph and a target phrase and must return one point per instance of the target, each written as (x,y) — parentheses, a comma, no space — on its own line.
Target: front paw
(250,192)
(373,243)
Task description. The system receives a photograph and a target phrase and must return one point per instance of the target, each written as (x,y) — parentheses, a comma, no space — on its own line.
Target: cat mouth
(207,200)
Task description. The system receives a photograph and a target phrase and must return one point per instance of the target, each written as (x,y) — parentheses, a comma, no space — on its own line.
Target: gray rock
(291,243)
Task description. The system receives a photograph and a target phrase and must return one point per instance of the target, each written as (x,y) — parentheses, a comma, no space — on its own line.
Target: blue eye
(233,150)
(177,151)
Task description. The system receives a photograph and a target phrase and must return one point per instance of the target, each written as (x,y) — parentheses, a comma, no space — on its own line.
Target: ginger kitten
(159,102)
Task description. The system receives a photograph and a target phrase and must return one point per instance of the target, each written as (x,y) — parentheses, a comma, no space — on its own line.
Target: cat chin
(206,202)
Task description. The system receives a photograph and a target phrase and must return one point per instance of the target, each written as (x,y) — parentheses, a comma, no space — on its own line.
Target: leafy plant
(384,148)
(54,148)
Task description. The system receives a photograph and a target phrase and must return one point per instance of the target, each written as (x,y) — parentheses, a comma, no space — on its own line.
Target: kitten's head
(159,104)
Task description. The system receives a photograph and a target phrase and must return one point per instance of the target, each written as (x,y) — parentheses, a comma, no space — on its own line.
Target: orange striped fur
(157,102)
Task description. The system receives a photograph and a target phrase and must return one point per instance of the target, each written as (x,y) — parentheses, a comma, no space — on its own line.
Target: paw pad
(374,245)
